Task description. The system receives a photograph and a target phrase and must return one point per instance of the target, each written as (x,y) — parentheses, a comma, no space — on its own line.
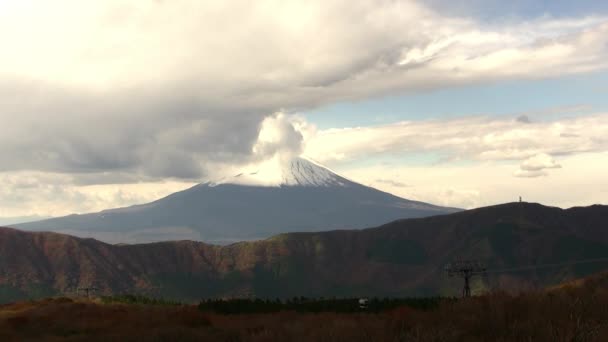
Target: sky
(466,104)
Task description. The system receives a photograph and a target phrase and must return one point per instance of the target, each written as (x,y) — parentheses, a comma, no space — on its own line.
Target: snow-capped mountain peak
(304,172)
(298,171)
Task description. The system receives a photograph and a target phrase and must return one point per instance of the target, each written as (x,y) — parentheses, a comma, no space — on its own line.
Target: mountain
(5,221)
(524,245)
(298,195)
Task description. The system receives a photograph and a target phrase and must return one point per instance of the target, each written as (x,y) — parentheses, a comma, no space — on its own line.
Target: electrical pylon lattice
(465,269)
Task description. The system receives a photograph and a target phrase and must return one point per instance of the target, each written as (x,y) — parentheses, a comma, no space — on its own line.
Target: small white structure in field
(363,303)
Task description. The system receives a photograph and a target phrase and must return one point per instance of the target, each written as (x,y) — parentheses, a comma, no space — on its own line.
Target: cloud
(150,134)
(529,174)
(392,183)
(173,88)
(539,162)
(552,112)
(29,194)
(536,165)
(480,139)
(471,185)
(568,135)
(278,135)
(94,94)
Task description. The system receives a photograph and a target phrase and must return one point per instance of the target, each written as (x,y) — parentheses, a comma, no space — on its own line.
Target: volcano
(298,196)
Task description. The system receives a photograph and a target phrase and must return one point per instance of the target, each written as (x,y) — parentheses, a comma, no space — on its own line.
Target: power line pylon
(465,269)
(88,291)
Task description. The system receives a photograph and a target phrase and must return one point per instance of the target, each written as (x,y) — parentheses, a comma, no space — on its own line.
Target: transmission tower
(88,291)
(465,269)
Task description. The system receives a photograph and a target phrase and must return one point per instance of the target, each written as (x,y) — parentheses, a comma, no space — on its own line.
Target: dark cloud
(106,177)
(162,136)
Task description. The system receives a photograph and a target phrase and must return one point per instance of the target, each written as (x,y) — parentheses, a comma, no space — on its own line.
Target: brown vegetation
(402,258)
(571,313)
(65,318)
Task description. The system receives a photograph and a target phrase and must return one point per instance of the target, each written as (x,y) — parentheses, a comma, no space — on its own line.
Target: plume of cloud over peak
(279,135)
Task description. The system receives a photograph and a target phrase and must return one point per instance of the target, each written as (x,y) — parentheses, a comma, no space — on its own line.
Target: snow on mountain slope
(297,171)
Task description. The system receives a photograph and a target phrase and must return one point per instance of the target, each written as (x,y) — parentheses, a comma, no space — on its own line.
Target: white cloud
(475,159)
(478,156)
(159,88)
(45,194)
(468,138)
(392,183)
(279,135)
(535,166)
(529,174)
(582,182)
(539,162)
(116,91)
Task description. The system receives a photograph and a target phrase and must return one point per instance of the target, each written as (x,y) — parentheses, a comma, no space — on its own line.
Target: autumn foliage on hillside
(402,258)
(574,312)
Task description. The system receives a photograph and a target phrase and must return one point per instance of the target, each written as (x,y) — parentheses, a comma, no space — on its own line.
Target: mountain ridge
(401,258)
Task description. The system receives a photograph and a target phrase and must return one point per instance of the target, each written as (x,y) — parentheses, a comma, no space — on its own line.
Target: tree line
(303,304)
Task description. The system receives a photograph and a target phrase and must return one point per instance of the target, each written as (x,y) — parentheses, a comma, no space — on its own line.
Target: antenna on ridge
(465,269)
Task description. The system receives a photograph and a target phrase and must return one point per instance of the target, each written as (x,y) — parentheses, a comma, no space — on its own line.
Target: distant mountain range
(298,195)
(402,258)
(7,221)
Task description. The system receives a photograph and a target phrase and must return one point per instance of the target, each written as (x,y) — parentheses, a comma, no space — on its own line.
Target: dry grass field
(573,312)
